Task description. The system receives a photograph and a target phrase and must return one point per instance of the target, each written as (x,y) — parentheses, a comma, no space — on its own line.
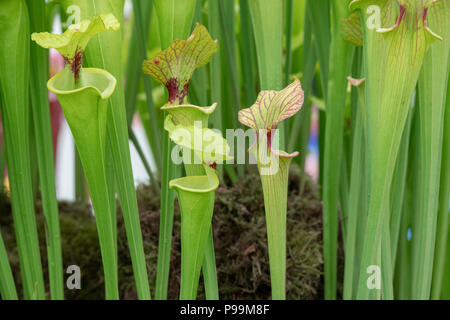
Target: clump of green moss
(239,236)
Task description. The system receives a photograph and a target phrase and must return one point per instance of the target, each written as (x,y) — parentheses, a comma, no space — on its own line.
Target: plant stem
(301,126)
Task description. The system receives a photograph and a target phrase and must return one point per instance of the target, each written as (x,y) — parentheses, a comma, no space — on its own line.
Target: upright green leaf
(355,214)
(155,136)
(105,51)
(267,18)
(248,53)
(14,85)
(43,134)
(90,88)
(215,79)
(394,52)
(432,94)
(174,68)
(175,21)
(270,108)
(88,126)
(335,114)
(232,98)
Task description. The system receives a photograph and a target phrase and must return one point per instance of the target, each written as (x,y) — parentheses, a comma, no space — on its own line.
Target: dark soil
(239,237)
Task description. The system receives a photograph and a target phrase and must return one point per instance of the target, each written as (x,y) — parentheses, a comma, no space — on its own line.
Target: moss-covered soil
(239,236)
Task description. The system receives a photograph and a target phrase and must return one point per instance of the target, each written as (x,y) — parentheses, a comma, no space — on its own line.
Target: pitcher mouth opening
(195,184)
(100,80)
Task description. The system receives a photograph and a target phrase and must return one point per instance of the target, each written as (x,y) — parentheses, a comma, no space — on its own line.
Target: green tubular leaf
(105,51)
(43,135)
(101,82)
(14,81)
(175,21)
(394,52)
(334,130)
(270,108)
(398,189)
(166,221)
(196,192)
(405,251)
(197,184)
(196,198)
(432,93)
(355,195)
(229,69)
(88,126)
(174,66)
(442,244)
(186,116)
(134,66)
